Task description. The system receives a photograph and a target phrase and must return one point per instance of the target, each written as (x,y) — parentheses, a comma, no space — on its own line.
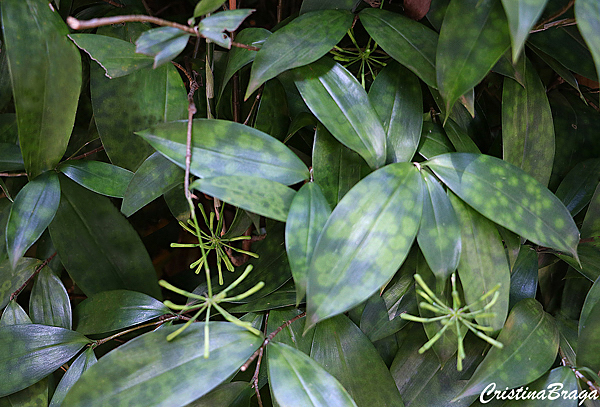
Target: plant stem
(35,273)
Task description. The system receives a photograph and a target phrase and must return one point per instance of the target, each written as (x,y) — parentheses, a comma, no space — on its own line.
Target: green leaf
(151,362)
(473,37)
(113,310)
(31,352)
(370,232)
(282,298)
(521,16)
(336,168)
(258,195)
(154,177)
(10,157)
(589,331)
(13,277)
(46,75)
(135,102)
(99,258)
(292,334)
(577,188)
(396,97)
(434,141)
(221,147)
(558,67)
(307,216)
(102,178)
(31,213)
(313,5)
(14,314)
(527,127)
(272,115)
(337,99)
(483,262)
(591,222)
(509,197)
(297,380)
(559,381)
(32,396)
(302,41)
(117,57)
(207,6)
(163,43)
(459,138)
(342,350)
(524,276)
(439,232)
(49,302)
(226,394)
(587,13)
(237,58)
(530,338)
(215,26)
(82,363)
(408,42)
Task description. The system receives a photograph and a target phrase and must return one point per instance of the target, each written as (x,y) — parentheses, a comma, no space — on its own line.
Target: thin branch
(95,150)
(14,174)
(135,328)
(114,3)
(541,25)
(35,273)
(99,22)
(240,45)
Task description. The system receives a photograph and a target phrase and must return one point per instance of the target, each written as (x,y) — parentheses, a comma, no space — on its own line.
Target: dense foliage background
(299,203)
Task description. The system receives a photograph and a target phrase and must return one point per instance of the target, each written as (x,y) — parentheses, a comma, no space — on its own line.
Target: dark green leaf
(577,188)
(132,103)
(591,223)
(14,314)
(509,197)
(342,350)
(336,168)
(49,302)
(505,67)
(215,26)
(32,396)
(439,232)
(222,147)
(258,195)
(5,85)
(483,262)
(272,116)
(281,298)
(99,258)
(151,362)
(370,231)
(13,277)
(291,335)
(308,213)
(337,99)
(10,157)
(304,40)
(313,5)
(527,128)
(434,141)
(207,6)
(524,276)
(558,67)
(396,97)
(297,380)
(225,394)
(31,213)
(163,43)
(473,37)
(117,57)
(45,71)
(154,177)
(587,13)
(408,42)
(589,330)
(530,338)
(31,352)
(554,383)
(589,256)
(459,138)
(521,15)
(102,178)
(113,310)
(79,365)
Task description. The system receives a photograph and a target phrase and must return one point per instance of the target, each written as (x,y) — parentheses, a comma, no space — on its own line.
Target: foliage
(355,170)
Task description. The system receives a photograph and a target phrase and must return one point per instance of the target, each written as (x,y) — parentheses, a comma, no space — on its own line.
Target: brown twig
(542,25)
(14,174)
(254,380)
(95,150)
(114,3)
(135,328)
(35,273)
(269,339)
(258,96)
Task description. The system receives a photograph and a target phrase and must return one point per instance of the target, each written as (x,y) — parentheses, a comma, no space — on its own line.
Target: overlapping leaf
(150,361)
(117,57)
(521,15)
(13,277)
(31,352)
(49,303)
(396,97)
(112,310)
(589,324)
(222,147)
(530,338)
(46,93)
(408,42)
(558,380)
(473,37)
(577,188)
(216,26)
(100,258)
(302,41)
(364,241)
(207,6)
(524,276)
(10,157)
(102,178)
(258,195)
(31,213)
(588,22)
(337,99)
(298,381)
(509,197)
(163,43)
(82,363)
(527,128)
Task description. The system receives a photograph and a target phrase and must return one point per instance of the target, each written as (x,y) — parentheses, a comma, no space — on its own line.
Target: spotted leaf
(521,15)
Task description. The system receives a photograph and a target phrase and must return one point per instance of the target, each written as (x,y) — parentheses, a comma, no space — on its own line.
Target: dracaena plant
(404,198)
